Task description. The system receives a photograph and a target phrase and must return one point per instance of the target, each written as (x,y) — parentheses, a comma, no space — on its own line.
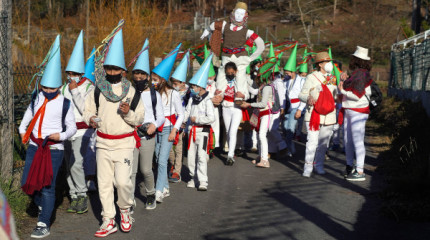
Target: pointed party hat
(291,64)
(90,67)
(278,63)
(142,62)
(77,60)
(201,77)
(211,70)
(304,66)
(115,56)
(52,74)
(182,69)
(266,69)
(165,67)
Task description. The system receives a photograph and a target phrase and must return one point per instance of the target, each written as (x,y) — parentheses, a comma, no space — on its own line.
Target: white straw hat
(362,53)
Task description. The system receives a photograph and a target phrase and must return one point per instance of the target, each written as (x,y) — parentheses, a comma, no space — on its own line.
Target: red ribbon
(294,100)
(245,115)
(171,118)
(122,136)
(260,115)
(192,137)
(82,125)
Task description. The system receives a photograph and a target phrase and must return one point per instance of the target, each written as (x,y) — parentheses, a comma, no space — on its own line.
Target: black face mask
(230,77)
(141,85)
(113,78)
(50,96)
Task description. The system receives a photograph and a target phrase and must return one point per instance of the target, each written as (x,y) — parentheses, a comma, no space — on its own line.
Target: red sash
(192,137)
(229,99)
(82,125)
(341,115)
(122,136)
(294,100)
(245,115)
(262,113)
(40,174)
(172,119)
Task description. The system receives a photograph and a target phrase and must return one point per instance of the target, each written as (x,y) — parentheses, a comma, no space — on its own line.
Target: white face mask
(210,81)
(177,88)
(328,67)
(239,14)
(76,79)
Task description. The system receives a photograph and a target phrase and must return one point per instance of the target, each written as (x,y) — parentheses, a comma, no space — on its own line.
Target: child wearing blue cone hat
(178,81)
(47,123)
(200,113)
(154,118)
(114,108)
(76,148)
(174,114)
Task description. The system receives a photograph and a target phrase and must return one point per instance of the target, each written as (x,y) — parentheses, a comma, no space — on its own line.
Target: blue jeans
(162,152)
(290,127)
(44,198)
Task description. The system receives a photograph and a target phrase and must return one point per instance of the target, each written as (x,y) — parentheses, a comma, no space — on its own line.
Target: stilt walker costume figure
(154,118)
(236,35)
(114,109)
(174,114)
(319,92)
(47,123)
(178,79)
(200,112)
(76,149)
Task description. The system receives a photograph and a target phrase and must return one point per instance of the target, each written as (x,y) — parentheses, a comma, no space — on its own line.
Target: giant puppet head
(239,15)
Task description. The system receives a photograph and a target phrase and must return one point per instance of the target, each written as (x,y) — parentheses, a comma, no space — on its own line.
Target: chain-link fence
(4,68)
(410,67)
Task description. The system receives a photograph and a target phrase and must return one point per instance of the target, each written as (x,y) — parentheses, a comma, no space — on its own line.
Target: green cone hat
(292,61)
(335,71)
(304,66)
(211,69)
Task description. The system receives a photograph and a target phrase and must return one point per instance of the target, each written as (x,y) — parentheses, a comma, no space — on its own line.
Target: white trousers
(198,157)
(275,137)
(215,127)
(355,126)
(265,124)
(232,118)
(316,147)
(114,168)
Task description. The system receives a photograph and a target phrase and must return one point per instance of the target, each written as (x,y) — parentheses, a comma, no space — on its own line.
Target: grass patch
(405,165)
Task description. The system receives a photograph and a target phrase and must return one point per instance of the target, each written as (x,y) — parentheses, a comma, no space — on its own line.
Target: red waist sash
(192,137)
(82,125)
(121,136)
(341,115)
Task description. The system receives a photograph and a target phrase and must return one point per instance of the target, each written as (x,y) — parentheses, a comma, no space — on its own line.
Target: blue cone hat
(77,60)
(90,67)
(115,56)
(182,69)
(52,74)
(201,77)
(142,62)
(165,67)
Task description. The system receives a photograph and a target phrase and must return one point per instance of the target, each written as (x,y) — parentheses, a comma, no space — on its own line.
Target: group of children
(129,124)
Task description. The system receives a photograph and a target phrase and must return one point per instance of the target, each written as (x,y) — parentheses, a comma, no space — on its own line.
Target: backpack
(133,104)
(276,108)
(66,106)
(375,99)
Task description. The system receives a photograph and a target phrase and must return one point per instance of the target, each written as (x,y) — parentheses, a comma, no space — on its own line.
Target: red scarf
(323,106)
(40,174)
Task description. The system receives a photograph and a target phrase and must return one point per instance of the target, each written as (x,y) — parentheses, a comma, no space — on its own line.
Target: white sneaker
(203,186)
(126,220)
(306,174)
(158,196)
(166,192)
(191,184)
(108,227)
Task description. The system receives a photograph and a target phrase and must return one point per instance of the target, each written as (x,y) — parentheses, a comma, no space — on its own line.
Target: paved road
(245,202)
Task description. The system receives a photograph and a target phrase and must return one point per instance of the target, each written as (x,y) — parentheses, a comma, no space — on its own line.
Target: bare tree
(334,10)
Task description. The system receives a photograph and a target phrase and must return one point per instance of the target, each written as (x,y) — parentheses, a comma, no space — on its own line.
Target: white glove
(205,34)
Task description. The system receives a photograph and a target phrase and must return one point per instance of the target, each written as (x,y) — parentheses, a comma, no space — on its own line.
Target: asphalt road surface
(245,202)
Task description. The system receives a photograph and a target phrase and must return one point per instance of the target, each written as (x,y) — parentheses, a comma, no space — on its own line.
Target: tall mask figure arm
(259,42)
(206,32)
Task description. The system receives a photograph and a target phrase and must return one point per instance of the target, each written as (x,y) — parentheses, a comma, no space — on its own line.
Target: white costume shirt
(173,107)
(293,88)
(52,121)
(149,113)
